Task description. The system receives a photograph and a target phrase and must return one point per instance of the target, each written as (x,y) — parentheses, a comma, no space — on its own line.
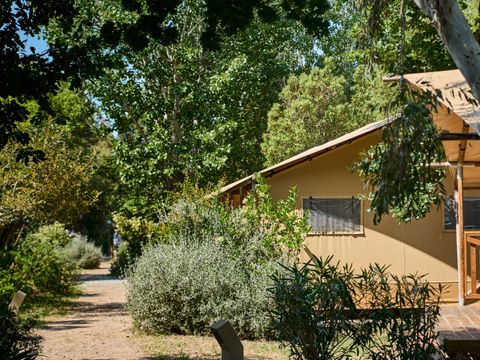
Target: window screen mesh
(471,213)
(333,215)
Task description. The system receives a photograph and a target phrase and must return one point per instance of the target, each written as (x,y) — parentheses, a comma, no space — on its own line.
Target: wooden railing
(472,243)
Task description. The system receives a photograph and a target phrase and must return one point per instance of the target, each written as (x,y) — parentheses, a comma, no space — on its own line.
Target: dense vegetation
(323,310)
(211,263)
(132,101)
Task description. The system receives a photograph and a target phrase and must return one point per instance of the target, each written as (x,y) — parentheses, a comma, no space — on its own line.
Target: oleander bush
(324,311)
(82,253)
(17,340)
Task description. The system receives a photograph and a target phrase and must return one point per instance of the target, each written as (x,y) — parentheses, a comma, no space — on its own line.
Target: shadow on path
(65,325)
(97,277)
(88,309)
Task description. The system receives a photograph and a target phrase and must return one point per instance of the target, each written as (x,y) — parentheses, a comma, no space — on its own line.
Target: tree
(56,189)
(393,169)
(361,33)
(182,110)
(319,106)
(457,36)
(33,75)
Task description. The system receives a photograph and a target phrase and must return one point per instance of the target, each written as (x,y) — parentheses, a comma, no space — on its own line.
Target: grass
(51,305)
(186,347)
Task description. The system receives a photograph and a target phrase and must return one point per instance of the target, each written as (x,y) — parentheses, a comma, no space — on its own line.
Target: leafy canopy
(319,106)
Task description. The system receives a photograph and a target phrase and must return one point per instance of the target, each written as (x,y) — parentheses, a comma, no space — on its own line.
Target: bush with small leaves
(185,287)
(40,269)
(211,262)
(123,260)
(136,233)
(55,234)
(37,266)
(82,253)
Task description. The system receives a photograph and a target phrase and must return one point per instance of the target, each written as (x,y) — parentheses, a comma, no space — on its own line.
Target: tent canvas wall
(330,190)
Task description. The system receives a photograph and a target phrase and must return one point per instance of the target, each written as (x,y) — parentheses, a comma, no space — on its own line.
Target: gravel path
(97,325)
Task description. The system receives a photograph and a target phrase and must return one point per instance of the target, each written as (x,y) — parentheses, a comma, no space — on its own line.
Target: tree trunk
(453,28)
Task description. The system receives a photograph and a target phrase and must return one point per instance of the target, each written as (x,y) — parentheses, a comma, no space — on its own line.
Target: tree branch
(453,28)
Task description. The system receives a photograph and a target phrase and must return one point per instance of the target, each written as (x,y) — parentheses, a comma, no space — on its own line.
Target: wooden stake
(460,237)
(473,268)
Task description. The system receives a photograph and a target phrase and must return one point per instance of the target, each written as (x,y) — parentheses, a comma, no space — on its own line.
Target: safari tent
(443,245)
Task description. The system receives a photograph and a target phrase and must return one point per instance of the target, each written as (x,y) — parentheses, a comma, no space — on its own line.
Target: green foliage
(311,304)
(56,189)
(212,262)
(17,340)
(184,287)
(281,228)
(269,229)
(398,315)
(37,266)
(181,111)
(40,268)
(82,253)
(368,33)
(324,311)
(54,234)
(319,106)
(136,233)
(397,170)
(122,260)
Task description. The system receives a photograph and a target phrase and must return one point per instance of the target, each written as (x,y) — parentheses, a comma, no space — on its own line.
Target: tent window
(333,215)
(471,210)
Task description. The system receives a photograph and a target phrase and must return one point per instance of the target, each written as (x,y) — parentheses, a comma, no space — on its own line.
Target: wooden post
(473,268)
(17,301)
(232,348)
(461,251)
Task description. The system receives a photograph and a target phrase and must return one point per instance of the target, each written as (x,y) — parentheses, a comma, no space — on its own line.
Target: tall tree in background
(318,106)
(368,32)
(181,110)
(28,74)
(65,186)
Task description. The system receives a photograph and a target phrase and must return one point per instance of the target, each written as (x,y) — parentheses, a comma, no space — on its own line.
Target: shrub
(310,307)
(16,339)
(324,311)
(183,288)
(84,254)
(40,269)
(7,279)
(54,234)
(36,266)
(136,233)
(211,262)
(123,260)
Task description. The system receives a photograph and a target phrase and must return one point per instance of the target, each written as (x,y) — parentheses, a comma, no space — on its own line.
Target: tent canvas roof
(456,114)
(311,153)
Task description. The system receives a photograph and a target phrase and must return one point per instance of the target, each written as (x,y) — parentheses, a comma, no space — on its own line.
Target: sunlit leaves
(397,170)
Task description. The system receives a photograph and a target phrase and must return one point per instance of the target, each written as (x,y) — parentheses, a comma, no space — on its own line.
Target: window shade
(471,213)
(333,215)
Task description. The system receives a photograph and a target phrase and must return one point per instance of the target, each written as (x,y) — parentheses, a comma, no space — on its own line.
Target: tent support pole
(461,266)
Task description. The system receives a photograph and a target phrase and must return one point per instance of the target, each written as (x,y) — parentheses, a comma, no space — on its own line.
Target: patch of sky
(35,43)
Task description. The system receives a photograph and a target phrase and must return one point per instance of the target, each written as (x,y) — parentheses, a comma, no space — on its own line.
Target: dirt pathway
(97,325)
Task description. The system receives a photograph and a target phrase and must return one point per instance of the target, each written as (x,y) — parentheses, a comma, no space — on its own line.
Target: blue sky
(39,44)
